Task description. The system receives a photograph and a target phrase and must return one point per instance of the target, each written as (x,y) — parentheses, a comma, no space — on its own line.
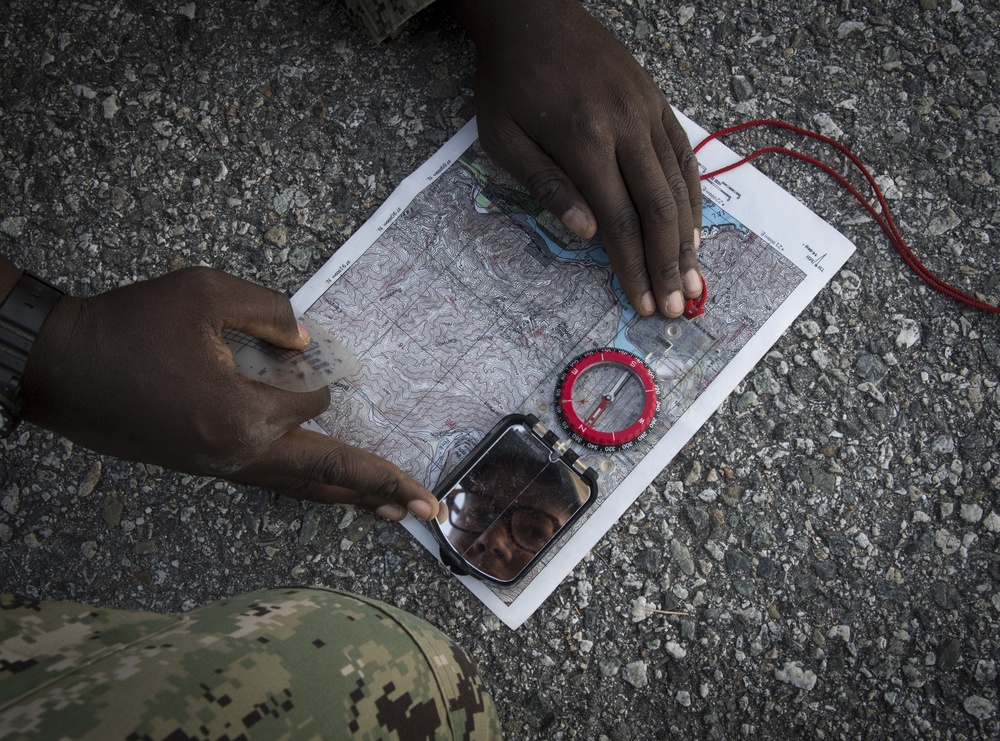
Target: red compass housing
(607,399)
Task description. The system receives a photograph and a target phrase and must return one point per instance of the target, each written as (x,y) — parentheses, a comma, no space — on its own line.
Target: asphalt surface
(833,530)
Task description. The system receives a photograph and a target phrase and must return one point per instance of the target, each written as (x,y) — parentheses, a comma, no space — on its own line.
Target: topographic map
(464,301)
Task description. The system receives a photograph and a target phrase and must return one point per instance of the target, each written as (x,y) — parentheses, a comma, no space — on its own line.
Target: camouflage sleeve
(382,18)
(303,663)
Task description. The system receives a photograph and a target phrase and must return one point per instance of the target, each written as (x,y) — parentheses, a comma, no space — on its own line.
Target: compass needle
(625,391)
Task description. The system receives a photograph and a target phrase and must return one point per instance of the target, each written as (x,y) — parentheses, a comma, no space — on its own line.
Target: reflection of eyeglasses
(474,512)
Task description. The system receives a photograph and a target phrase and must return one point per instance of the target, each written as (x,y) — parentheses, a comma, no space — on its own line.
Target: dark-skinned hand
(141,372)
(564,107)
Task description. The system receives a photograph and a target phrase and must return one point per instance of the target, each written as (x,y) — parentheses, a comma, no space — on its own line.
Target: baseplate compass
(607,399)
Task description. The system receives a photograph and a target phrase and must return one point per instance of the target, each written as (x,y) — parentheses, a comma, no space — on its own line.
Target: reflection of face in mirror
(513,502)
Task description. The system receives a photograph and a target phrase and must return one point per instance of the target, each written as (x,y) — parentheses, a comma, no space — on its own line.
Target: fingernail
(391,512)
(692,282)
(421,509)
(304,333)
(577,222)
(675,303)
(647,304)
(697,238)
(442,513)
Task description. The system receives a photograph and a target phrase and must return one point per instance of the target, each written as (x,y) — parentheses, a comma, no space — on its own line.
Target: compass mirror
(510,500)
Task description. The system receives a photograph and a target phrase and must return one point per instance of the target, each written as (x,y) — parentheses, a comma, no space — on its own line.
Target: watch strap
(21,317)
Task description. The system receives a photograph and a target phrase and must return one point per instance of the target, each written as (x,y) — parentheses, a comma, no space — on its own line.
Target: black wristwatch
(21,318)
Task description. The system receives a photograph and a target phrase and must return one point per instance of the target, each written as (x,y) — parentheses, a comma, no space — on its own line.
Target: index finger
(309,465)
(639,218)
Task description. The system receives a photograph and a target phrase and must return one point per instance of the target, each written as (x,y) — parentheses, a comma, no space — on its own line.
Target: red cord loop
(696,306)
(884,219)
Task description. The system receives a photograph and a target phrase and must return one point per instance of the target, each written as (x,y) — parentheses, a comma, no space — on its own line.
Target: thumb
(547,183)
(263,313)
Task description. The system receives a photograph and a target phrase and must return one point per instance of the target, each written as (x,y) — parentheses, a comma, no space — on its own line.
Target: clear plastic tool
(325,361)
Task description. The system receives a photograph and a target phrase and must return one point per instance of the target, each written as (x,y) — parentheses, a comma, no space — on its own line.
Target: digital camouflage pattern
(279,663)
(382,18)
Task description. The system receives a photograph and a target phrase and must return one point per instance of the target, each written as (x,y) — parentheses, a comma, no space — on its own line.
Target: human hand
(141,372)
(565,108)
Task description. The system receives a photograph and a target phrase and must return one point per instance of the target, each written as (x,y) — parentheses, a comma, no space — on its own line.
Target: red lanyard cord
(883,219)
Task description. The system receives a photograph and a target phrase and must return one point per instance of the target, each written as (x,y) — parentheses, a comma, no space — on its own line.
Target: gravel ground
(833,530)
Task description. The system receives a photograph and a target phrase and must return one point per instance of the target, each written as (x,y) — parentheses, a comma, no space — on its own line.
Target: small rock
(825,570)
(648,561)
(792,673)
(5,532)
(146,547)
(847,28)
(187,10)
(90,482)
(682,556)
(742,89)
(872,390)
(683,698)
(909,334)
(12,500)
(112,511)
(610,667)
(871,368)
(110,106)
(971,512)
(284,200)
(13,226)
(949,654)
(737,561)
(764,383)
(31,540)
(828,126)
(746,401)
(277,236)
(89,549)
(639,611)
(947,221)
(685,13)
(675,650)
(978,707)
(809,329)
(635,674)
(842,632)
(992,522)
(698,519)
(986,672)
(119,197)
(310,524)
(943,444)
(947,542)
(300,259)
